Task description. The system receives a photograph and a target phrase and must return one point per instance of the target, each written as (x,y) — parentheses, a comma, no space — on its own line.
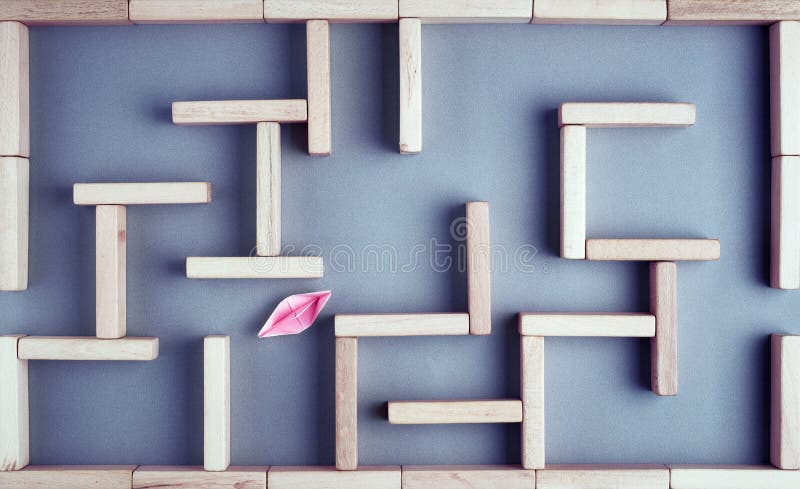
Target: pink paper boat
(295,314)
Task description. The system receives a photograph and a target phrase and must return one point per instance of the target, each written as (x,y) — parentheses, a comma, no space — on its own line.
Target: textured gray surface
(100,100)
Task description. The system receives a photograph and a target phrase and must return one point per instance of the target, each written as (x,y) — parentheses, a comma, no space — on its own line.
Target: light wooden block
(254,267)
(784,49)
(785,246)
(110,282)
(587,324)
(664,345)
(87,348)
(226,112)
(332,10)
(193,477)
(709,12)
(216,403)
(626,114)
(410,41)
(65,12)
(195,11)
(352,325)
(455,412)
(467,477)
(573,192)
(624,12)
(605,476)
(268,189)
(532,388)
(141,193)
(318,70)
(467,11)
(14,439)
(732,477)
(785,401)
(14,184)
(69,477)
(346,404)
(479,269)
(14,90)
(653,249)
(330,478)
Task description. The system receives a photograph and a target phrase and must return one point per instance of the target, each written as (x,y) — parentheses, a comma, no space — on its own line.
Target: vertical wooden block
(268,193)
(13,223)
(13,406)
(216,403)
(318,69)
(573,192)
(664,345)
(532,375)
(14,128)
(110,246)
(785,249)
(346,403)
(785,415)
(479,265)
(410,86)
(784,82)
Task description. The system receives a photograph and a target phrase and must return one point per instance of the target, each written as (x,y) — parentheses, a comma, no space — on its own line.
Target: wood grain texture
(383,477)
(194,477)
(732,477)
(254,267)
(318,71)
(455,412)
(69,477)
(227,112)
(653,249)
(352,325)
(606,476)
(141,193)
(664,345)
(467,477)
(479,269)
(65,12)
(410,41)
(332,10)
(216,403)
(195,11)
(87,348)
(625,12)
(110,272)
(14,424)
(626,114)
(784,48)
(785,240)
(573,192)
(346,404)
(532,389)
(785,402)
(709,12)
(467,11)
(14,90)
(268,189)
(624,324)
(14,188)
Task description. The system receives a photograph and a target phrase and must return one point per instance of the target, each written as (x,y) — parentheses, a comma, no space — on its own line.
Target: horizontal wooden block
(455,412)
(14,190)
(332,10)
(87,348)
(65,12)
(141,193)
(194,477)
(467,477)
(14,424)
(467,11)
(14,90)
(330,478)
(195,11)
(636,12)
(587,324)
(707,12)
(226,112)
(652,249)
(69,477)
(785,402)
(785,240)
(254,267)
(626,114)
(732,477)
(606,476)
(784,47)
(401,324)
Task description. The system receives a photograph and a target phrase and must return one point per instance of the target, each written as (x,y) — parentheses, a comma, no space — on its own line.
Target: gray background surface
(100,111)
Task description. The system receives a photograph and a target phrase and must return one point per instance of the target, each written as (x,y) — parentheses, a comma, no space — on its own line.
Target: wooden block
(626,324)
(410,41)
(455,412)
(141,193)
(785,252)
(192,477)
(195,11)
(330,478)
(14,90)
(268,190)
(65,12)
(664,345)
(467,11)
(14,176)
(246,267)
(318,68)
(785,415)
(110,239)
(216,403)
(467,477)
(732,477)
(332,10)
(69,477)
(226,112)
(479,269)
(630,12)
(606,476)
(346,404)
(532,380)
(351,325)
(652,249)
(573,192)
(626,114)
(784,49)
(707,12)
(87,348)
(14,439)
